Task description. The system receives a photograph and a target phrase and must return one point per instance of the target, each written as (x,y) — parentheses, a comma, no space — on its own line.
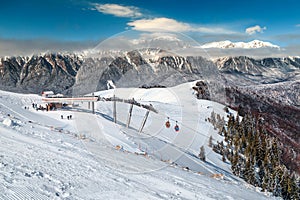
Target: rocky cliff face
(37,73)
(148,68)
(134,69)
(260,71)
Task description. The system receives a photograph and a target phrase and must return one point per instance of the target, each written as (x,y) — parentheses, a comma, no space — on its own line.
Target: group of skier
(69,117)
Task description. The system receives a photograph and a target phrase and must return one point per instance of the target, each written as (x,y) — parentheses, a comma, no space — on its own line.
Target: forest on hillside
(254,154)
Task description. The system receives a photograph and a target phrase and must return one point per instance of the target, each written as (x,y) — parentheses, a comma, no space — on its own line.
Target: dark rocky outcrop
(37,73)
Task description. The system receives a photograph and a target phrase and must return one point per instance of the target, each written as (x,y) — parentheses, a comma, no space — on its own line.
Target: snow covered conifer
(202,153)
(210,144)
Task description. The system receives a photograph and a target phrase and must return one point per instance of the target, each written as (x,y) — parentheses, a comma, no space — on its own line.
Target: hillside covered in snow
(46,156)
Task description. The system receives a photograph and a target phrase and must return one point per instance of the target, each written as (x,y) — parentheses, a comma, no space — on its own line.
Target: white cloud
(171,25)
(157,36)
(118,10)
(255,29)
(297,25)
(159,24)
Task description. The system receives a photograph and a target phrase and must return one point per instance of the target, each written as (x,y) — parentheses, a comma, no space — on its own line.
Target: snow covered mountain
(134,69)
(39,72)
(265,70)
(90,157)
(265,85)
(239,45)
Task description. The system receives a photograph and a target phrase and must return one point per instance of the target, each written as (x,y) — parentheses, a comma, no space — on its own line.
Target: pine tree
(237,121)
(259,158)
(223,157)
(225,134)
(213,118)
(210,144)
(234,163)
(278,178)
(275,153)
(226,109)
(230,122)
(265,181)
(236,142)
(230,153)
(286,186)
(202,153)
(243,143)
(249,173)
(293,189)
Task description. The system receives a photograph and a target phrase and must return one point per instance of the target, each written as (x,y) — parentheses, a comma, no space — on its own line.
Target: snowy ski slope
(89,157)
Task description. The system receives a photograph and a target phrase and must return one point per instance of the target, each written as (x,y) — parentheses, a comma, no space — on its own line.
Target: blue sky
(86,22)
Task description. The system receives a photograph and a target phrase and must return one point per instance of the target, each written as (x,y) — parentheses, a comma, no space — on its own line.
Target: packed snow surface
(43,156)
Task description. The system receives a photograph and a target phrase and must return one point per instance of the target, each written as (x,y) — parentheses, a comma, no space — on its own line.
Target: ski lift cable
(181,124)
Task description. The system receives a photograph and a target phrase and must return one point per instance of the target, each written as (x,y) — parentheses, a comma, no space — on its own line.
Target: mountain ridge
(227,44)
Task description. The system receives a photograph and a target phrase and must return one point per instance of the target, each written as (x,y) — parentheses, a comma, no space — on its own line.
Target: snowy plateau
(90,157)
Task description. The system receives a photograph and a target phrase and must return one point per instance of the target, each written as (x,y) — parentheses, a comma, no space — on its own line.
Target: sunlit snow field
(90,157)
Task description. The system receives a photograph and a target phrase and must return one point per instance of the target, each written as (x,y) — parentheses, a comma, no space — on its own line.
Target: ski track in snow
(50,158)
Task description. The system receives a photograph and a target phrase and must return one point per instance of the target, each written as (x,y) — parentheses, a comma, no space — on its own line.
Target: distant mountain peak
(227,44)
